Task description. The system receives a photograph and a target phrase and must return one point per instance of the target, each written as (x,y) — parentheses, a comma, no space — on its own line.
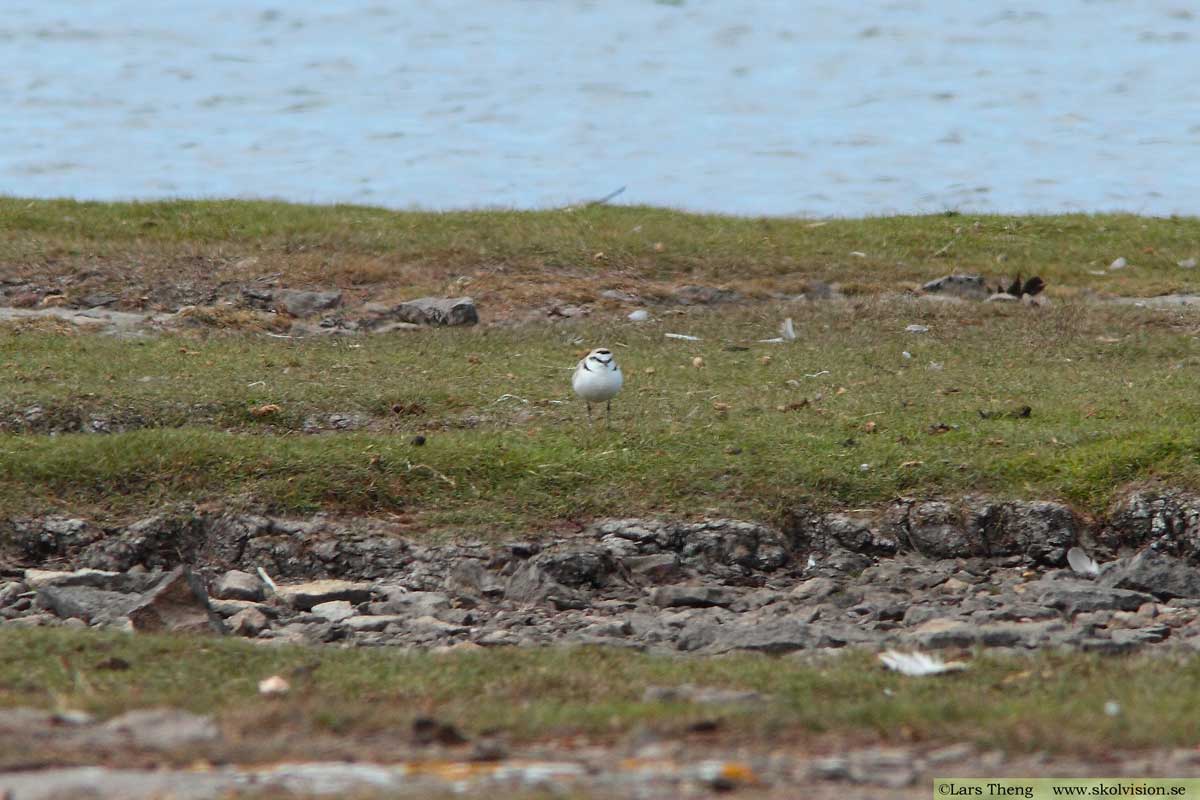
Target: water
(838,109)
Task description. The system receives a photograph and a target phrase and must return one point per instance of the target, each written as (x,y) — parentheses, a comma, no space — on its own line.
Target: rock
(1075,596)
(299,303)
(248,622)
(258,297)
(656,568)
(692,295)
(969,287)
(1018,634)
(372,623)
(814,590)
(437,311)
(704,695)
(334,610)
(469,578)
(163,728)
(304,596)
(858,536)
(1168,519)
(178,604)
(943,632)
(96,578)
(935,529)
(98,299)
(1041,530)
(412,604)
(1158,574)
(779,635)
(577,567)
(238,585)
(692,596)
(620,296)
(1140,636)
(532,585)
(87,603)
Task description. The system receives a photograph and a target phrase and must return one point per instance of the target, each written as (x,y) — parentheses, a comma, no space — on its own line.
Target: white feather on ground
(918,664)
(1081,562)
(788,330)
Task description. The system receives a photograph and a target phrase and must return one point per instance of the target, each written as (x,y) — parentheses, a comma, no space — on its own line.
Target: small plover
(597,379)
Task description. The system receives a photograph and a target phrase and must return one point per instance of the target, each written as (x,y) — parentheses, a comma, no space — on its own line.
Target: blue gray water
(762,107)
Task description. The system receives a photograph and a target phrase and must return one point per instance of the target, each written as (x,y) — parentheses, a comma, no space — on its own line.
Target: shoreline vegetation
(469,433)
(857,410)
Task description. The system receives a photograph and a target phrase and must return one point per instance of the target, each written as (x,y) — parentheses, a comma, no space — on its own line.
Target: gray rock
(87,603)
(334,610)
(1018,634)
(532,585)
(969,287)
(96,578)
(814,590)
(1075,596)
(469,578)
(943,632)
(238,585)
(655,568)
(371,623)
(300,303)
(304,596)
(1041,530)
(411,604)
(858,535)
(935,529)
(1158,574)
(10,592)
(692,295)
(178,604)
(777,635)
(693,596)
(1150,634)
(248,622)
(437,311)
(163,728)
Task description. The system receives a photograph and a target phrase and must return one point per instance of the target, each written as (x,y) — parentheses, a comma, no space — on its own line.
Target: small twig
(509,397)
(944,248)
(604,199)
(872,414)
(436,474)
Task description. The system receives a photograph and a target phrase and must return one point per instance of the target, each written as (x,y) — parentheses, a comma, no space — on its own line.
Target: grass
(152,253)
(1049,702)
(750,432)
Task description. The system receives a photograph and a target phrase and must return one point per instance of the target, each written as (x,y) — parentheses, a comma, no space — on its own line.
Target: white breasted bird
(597,379)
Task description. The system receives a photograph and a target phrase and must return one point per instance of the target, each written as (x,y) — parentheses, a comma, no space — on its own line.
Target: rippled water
(754,107)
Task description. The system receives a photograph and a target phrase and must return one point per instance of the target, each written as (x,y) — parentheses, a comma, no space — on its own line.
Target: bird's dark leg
(589,408)
(608,414)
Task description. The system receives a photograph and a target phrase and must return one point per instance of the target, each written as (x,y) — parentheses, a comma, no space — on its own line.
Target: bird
(597,379)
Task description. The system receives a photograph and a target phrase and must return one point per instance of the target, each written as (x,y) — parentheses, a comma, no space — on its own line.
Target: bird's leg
(589,408)
(608,414)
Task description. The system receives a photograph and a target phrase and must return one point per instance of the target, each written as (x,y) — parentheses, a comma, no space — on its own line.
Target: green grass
(1051,702)
(506,254)
(1112,392)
